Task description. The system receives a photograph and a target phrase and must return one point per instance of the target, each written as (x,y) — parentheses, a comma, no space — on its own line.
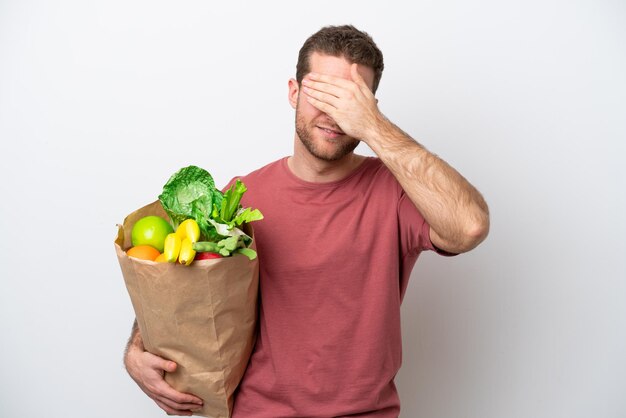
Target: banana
(171,248)
(187,253)
(189,229)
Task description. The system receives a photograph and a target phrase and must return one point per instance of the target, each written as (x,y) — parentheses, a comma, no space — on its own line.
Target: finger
(164,391)
(324,107)
(175,400)
(354,73)
(157,385)
(331,80)
(359,80)
(178,405)
(159,363)
(321,96)
(327,88)
(172,411)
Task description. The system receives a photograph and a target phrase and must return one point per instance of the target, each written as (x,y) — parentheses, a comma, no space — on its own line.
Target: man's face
(317,131)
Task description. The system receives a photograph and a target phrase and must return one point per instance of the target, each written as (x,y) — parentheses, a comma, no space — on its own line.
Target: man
(339,240)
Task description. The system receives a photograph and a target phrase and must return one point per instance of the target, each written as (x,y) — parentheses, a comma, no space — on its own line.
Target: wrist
(376,131)
(385,137)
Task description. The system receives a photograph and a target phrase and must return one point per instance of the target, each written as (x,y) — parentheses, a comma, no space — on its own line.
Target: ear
(294,89)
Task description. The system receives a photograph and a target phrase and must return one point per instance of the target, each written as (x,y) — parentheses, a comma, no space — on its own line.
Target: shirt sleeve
(414,230)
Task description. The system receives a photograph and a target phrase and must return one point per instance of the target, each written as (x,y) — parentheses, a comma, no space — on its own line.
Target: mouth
(330,132)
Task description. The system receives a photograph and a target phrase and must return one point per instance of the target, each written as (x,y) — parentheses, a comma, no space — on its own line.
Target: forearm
(454,209)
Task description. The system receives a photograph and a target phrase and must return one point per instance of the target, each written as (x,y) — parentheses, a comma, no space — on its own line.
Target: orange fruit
(143,252)
(161,258)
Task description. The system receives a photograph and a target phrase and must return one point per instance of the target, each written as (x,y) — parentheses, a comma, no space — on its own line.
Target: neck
(312,169)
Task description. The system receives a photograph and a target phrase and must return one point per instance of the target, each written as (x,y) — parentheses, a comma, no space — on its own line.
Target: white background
(101,101)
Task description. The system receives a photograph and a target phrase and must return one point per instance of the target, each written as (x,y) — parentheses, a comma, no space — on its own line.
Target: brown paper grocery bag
(202,317)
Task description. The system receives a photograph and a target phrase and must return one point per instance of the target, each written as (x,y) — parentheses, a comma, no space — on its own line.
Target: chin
(332,150)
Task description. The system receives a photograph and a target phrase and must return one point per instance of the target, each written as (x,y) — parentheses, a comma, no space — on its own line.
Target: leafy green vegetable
(231,200)
(191,193)
(247,215)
